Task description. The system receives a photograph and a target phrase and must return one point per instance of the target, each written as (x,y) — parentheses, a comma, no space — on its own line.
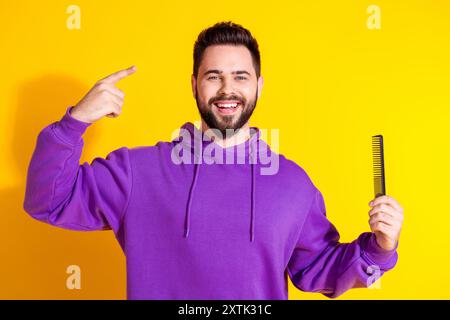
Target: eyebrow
(220,71)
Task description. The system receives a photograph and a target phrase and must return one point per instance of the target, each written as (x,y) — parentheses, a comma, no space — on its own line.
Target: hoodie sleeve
(62,192)
(320,263)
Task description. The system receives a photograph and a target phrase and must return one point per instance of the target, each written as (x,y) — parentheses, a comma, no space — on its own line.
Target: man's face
(226,88)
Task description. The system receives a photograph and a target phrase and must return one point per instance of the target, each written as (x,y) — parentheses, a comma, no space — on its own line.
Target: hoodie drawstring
(252,199)
(191,192)
(253,209)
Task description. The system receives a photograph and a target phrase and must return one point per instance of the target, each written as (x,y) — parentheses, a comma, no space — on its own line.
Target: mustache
(231,97)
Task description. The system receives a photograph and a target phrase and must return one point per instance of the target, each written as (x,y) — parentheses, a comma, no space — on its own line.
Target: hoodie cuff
(70,129)
(372,250)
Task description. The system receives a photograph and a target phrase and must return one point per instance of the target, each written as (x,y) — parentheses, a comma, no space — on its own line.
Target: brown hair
(226,33)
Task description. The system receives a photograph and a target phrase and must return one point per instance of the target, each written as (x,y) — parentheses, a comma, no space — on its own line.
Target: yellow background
(330,84)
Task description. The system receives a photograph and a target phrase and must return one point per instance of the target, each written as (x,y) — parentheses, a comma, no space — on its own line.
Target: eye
(241,78)
(212,78)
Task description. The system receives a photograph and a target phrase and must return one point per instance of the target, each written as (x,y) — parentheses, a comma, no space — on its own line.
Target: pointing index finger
(116,76)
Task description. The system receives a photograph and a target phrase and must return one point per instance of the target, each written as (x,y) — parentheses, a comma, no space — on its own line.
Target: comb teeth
(378,165)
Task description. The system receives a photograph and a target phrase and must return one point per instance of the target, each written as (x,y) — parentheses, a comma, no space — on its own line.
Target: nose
(226,88)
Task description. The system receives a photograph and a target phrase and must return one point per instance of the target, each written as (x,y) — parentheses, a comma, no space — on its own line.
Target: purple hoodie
(196,230)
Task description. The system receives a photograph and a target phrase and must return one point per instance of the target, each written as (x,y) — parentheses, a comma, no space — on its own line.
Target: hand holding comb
(386,214)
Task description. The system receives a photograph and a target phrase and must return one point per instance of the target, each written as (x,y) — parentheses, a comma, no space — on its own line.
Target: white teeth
(226,105)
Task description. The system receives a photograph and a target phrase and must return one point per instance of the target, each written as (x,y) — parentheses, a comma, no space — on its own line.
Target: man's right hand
(104,99)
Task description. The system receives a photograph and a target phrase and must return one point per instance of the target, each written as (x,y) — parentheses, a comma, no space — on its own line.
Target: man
(198,228)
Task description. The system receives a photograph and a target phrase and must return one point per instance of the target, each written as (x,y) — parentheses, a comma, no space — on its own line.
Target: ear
(193,85)
(260,85)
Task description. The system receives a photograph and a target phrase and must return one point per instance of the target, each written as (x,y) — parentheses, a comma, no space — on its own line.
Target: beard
(223,122)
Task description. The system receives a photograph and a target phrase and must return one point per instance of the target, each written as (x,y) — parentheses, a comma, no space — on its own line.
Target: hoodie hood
(194,143)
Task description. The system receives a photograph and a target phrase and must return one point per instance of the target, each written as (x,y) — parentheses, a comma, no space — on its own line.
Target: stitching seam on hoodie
(62,139)
(125,208)
(50,208)
(369,261)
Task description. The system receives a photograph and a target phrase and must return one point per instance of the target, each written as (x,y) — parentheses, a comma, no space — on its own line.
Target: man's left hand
(386,219)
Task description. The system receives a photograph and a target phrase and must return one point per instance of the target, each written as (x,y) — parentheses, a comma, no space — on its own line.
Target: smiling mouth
(228,107)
